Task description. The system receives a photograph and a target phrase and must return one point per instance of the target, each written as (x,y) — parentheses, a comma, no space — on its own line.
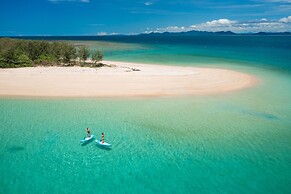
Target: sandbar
(121,79)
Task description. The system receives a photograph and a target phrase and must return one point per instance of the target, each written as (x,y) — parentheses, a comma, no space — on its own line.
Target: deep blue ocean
(267,51)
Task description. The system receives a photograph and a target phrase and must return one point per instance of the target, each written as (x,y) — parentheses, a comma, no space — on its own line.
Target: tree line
(27,53)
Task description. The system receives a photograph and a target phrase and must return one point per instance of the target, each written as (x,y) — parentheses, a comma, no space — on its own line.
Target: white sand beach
(122,79)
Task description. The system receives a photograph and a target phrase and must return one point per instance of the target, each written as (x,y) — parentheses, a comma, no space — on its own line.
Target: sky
(106,17)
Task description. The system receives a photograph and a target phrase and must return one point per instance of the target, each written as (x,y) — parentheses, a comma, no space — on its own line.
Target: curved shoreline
(122,79)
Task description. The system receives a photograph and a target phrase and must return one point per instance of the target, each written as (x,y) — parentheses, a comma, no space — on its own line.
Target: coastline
(120,79)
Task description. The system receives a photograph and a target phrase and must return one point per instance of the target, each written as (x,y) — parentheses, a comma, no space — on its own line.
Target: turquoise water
(229,143)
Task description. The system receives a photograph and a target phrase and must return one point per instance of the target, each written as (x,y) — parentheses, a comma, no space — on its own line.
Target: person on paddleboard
(88,132)
(102,137)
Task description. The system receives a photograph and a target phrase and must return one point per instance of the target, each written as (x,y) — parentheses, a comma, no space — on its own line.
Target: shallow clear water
(230,143)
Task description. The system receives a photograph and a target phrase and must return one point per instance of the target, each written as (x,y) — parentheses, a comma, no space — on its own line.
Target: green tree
(97,56)
(56,51)
(84,53)
(69,53)
(46,60)
(23,61)
(17,53)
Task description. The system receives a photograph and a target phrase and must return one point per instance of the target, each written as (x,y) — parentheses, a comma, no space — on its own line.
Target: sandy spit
(121,79)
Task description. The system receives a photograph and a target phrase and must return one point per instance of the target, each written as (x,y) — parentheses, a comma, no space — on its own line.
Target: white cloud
(102,33)
(148,3)
(114,33)
(262,25)
(220,22)
(173,29)
(285,20)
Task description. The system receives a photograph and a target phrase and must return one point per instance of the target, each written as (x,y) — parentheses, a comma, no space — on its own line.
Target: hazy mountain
(205,33)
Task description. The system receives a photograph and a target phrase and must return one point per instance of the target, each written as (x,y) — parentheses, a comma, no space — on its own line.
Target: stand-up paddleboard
(105,144)
(87,139)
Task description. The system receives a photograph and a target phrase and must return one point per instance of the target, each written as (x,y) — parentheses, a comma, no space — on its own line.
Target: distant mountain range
(205,33)
(188,33)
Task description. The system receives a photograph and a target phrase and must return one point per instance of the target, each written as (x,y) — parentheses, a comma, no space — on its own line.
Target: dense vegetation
(26,53)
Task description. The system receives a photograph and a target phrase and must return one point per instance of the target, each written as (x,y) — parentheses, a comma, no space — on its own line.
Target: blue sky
(93,17)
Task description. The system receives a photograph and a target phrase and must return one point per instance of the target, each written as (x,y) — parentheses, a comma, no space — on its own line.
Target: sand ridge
(122,79)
